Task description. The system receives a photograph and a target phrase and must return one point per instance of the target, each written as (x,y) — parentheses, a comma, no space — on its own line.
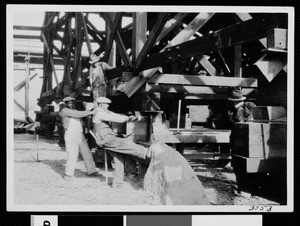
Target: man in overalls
(97,76)
(74,139)
(106,138)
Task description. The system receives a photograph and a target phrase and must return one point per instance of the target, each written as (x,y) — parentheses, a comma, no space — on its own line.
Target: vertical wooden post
(238,61)
(138,33)
(27,85)
(112,56)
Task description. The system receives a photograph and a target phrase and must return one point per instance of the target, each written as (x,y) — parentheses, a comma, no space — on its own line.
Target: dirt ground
(41,182)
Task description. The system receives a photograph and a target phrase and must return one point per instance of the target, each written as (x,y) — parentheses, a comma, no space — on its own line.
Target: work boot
(67,177)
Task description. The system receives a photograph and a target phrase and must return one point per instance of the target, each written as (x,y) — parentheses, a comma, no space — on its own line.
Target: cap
(103,100)
(94,58)
(68,99)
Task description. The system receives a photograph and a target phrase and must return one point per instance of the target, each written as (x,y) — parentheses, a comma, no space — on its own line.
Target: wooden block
(258,165)
(268,112)
(277,38)
(260,140)
(198,113)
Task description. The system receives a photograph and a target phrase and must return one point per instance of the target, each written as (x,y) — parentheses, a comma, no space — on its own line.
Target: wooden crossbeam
(94,32)
(151,39)
(136,82)
(239,33)
(19,105)
(171,24)
(122,49)
(200,80)
(22,84)
(169,88)
(207,65)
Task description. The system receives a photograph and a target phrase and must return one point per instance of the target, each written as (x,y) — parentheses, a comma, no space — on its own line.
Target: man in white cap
(74,139)
(97,76)
(105,137)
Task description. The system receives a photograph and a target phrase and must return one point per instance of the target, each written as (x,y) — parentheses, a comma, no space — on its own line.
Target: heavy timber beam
(198,80)
(139,30)
(194,90)
(166,88)
(171,24)
(224,38)
(227,37)
(156,30)
(136,82)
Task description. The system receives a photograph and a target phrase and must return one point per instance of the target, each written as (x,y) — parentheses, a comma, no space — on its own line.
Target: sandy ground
(41,182)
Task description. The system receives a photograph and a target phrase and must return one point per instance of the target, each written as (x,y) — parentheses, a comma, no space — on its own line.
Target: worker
(97,76)
(74,139)
(239,111)
(117,147)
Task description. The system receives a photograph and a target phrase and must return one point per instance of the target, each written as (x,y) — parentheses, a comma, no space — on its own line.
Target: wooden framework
(178,45)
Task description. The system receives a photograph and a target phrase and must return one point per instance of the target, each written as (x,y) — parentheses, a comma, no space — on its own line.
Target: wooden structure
(189,54)
(162,58)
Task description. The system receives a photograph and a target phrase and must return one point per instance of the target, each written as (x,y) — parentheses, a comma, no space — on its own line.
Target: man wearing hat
(240,111)
(105,137)
(74,139)
(97,76)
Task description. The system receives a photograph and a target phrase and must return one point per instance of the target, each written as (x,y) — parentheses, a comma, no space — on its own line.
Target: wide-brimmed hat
(94,58)
(236,95)
(103,100)
(68,99)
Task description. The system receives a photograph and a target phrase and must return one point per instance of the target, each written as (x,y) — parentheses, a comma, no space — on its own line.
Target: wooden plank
(207,155)
(194,137)
(207,65)
(134,84)
(200,80)
(22,84)
(19,105)
(171,24)
(168,88)
(151,39)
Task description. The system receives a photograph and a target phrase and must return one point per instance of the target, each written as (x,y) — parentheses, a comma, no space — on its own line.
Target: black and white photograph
(150,108)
